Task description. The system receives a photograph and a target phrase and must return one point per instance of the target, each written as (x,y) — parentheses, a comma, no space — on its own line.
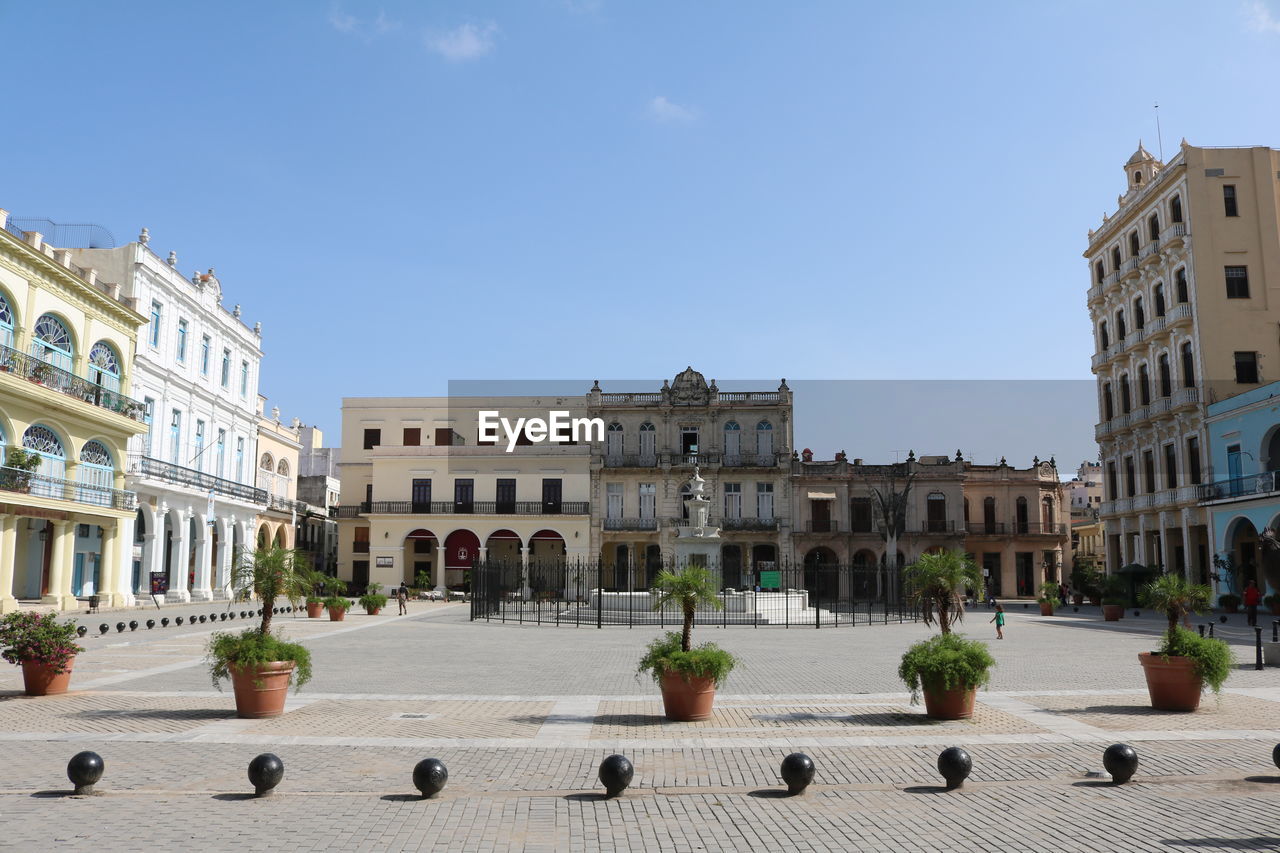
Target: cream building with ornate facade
(67,343)
(742,443)
(279,447)
(1180,302)
(421,493)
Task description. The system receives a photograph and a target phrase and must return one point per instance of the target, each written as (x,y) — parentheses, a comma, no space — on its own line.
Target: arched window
(45,443)
(1126,401)
(732,442)
(1159,297)
(51,342)
(1166,379)
(1175,209)
(283,468)
(613,440)
(104,367)
(1188,366)
(936,512)
(1144,385)
(1108,404)
(1099,272)
(1153,226)
(1122,329)
(1115,258)
(267,463)
(764,440)
(6,322)
(1103,337)
(989,514)
(648,444)
(1180,284)
(1046,514)
(1139,315)
(1137,177)
(1020,520)
(95,474)
(1133,243)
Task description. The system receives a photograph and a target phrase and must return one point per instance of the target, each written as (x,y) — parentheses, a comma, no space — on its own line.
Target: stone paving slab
(1125,712)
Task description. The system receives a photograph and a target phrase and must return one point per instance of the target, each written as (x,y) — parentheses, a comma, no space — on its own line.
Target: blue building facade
(1243,501)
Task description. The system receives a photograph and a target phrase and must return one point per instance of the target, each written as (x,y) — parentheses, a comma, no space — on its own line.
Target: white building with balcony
(196,372)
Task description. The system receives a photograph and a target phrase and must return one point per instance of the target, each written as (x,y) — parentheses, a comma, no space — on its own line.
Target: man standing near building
(1252,598)
(402,596)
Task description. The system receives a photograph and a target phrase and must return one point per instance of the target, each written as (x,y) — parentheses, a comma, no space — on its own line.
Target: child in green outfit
(999,620)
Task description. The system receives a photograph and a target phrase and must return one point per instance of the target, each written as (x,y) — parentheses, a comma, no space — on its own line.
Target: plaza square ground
(522,716)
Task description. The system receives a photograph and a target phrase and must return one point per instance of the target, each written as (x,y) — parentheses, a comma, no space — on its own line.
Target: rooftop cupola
(1141,168)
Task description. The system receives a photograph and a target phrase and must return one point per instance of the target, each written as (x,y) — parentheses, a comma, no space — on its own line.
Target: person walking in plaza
(1062,594)
(1252,598)
(402,596)
(999,620)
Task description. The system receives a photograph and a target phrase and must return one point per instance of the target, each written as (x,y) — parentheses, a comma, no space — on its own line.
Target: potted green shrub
(687,675)
(1087,581)
(1048,596)
(337,605)
(1185,663)
(1230,603)
(44,647)
(947,669)
(373,600)
(19,466)
(1113,599)
(262,664)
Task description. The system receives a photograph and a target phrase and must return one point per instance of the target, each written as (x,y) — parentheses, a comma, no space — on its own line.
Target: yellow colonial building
(66,348)
(279,446)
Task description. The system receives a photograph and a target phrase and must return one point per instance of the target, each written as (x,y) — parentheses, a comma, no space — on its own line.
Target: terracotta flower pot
(1046,609)
(686,699)
(373,611)
(337,614)
(40,679)
(314,609)
(260,692)
(953,704)
(1112,612)
(1171,682)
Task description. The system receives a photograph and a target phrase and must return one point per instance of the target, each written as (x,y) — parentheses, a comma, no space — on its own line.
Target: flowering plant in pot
(688,675)
(262,664)
(373,600)
(44,647)
(946,669)
(1185,663)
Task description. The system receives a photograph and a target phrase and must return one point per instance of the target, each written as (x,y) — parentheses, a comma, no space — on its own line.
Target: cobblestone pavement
(523,715)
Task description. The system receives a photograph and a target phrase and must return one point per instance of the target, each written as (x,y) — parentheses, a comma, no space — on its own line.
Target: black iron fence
(592,594)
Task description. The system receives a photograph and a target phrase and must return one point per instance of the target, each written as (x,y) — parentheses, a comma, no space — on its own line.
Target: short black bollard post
(265,772)
(164,622)
(231,614)
(1201,627)
(616,773)
(1121,761)
(151,623)
(797,772)
(1257,647)
(84,770)
(1222,619)
(202,618)
(82,630)
(430,776)
(177,620)
(133,624)
(1275,630)
(120,627)
(104,627)
(222,617)
(1137,613)
(955,765)
(1275,755)
(1210,629)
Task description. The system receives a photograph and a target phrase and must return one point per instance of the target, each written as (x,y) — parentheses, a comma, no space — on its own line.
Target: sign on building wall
(385,562)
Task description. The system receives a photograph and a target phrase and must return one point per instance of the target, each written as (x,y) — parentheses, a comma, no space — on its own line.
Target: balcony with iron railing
(825,525)
(1016,528)
(734,525)
(466,508)
(1265,484)
(650,524)
(16,480)
(280,503)
(33,369)
(169,472)
(631,460)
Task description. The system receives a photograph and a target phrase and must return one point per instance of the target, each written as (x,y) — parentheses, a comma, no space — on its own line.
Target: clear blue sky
(409,193)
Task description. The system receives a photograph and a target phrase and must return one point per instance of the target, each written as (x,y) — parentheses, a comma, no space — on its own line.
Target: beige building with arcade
(1182,309)
(422,495)
(66,350)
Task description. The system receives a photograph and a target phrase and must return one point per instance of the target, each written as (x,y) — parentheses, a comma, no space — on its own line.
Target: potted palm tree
(1185,663)
(43,646)
(948,669)
(373,600)
(262,664)
(1048,596)
(687,675)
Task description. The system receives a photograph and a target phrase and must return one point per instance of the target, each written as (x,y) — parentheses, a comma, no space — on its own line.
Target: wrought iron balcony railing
(631,524)
(1237,488)
(466,508)
(735,524)
(169,472)
(57,488)
(55,378)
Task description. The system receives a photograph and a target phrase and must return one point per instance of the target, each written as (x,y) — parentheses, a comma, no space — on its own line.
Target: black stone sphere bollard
(259,611)
(151,623)
(164,622)
(1121,761)
(1075,609)
(202,618)
(242,615)
(1222,619)
(955,765)
(231,614)
(430,776)
(616,773)
(84,770)
(104,628)
(82,630)
(177,620)
(1137,613)
(120,626)
(265,772)
(133,624)
(1275,755)
(797,772)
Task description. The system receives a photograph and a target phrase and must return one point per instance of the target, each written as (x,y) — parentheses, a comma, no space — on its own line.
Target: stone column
(1189,547)
(8,553)
(1167,552)
(110,593)
(202,589)
(222,583)
(179,561)
(60,559)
